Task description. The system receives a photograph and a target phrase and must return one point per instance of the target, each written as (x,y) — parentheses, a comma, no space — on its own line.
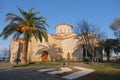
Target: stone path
(44,70)
(5,66)
(78,74)
(81,72)
(62,71)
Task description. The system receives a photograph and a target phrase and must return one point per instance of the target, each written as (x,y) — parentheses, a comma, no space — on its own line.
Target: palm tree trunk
(25,50)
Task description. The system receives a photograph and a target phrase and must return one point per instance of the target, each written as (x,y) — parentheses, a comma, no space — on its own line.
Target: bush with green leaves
(87,59)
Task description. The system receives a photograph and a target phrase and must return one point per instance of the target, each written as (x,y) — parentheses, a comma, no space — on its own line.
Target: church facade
(65,44)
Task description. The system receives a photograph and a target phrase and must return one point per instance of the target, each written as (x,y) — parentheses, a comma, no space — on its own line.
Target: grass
(37,64)
(104,66)
(103,72)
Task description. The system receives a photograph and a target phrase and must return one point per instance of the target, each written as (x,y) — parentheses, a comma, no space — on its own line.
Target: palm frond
(17,35)
(36,35)
(10,26)
(11,14)
(30,11)
(42,17)
(40,36)
(9,18)
(45,35)
(18,20)
(22,13)
(7,34)
(36,13)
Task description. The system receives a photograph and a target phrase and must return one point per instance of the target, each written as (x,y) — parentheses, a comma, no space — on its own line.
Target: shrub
(87,59)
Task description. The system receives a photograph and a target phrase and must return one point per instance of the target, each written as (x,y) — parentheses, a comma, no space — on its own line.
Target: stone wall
(14,46)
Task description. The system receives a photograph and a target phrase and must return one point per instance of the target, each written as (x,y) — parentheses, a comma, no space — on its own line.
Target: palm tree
(28,25)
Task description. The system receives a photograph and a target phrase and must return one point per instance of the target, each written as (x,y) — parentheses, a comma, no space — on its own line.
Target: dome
(64,28)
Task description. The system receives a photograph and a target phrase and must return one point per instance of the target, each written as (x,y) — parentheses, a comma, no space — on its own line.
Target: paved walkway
(7,72)
(5,66)
(81,72)
(61,71)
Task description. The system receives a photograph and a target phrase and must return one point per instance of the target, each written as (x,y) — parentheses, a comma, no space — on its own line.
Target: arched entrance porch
(44,56)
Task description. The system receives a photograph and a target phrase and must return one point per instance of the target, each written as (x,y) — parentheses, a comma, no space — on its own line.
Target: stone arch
(44,56)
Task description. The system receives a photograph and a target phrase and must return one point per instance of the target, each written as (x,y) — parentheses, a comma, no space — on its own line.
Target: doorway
(45,56)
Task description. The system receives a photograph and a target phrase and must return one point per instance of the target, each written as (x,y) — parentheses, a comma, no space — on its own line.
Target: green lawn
(103,72)
(38,64)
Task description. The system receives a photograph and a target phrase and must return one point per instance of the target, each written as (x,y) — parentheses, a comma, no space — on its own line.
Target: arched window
(67,30)
(70,30)
(60,30)
(56,31)
(64,30)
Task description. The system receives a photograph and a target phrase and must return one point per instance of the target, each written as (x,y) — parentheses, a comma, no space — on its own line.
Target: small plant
(87,59)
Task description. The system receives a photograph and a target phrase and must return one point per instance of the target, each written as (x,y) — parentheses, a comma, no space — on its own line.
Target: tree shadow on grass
(101,75)
(115,66)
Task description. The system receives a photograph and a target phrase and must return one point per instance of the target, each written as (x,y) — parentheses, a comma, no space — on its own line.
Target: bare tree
(115,26)
(89,36)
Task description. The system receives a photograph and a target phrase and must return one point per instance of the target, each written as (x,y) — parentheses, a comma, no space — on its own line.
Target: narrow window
(64,30)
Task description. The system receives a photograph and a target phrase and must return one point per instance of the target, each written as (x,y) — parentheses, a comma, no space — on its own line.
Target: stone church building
(65,44)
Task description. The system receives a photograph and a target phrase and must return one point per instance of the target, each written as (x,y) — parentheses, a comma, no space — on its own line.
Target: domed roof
(64,28)
(64,24)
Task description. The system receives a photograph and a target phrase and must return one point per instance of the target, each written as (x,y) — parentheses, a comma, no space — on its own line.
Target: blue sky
(97,12)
